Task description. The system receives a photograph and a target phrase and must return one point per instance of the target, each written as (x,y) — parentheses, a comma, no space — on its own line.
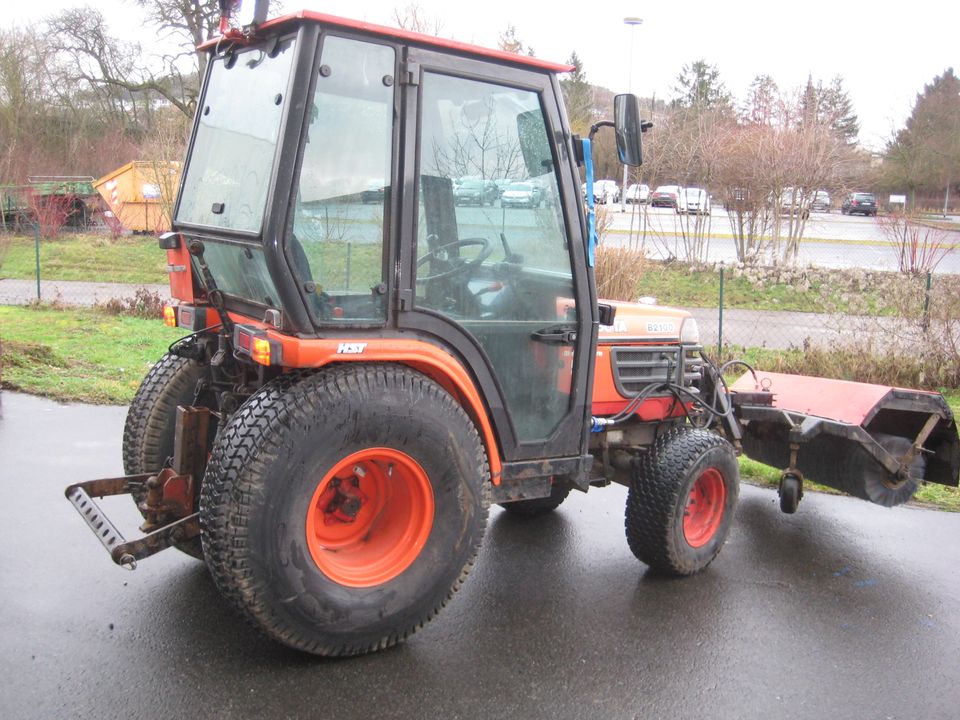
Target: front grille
(637,367)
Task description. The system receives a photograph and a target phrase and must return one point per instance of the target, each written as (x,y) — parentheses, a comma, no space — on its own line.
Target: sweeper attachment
(875,442)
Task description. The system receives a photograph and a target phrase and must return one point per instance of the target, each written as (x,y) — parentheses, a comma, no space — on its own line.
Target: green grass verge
(81,355)
(92,258)
(676,284)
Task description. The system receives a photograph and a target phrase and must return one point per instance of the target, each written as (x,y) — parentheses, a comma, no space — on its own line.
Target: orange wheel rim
(369,517)
(705,508)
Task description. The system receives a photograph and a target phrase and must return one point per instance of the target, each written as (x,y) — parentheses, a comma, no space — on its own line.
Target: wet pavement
(844,610)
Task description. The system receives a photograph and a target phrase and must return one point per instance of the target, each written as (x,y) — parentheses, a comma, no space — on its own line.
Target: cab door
(493,264)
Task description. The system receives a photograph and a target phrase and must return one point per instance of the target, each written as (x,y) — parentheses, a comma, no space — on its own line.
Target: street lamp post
(632,22)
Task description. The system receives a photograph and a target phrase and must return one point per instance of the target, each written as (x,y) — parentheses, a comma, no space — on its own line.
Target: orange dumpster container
(141,193)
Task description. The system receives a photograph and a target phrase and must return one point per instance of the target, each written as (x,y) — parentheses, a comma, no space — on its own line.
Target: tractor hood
(635,322)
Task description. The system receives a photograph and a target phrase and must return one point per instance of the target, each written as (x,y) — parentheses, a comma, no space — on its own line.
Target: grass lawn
(679,285)
(81,355)
(96,258)
(676,285)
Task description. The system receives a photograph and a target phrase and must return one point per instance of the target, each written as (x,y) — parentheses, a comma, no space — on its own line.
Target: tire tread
(236,470)
(655,492)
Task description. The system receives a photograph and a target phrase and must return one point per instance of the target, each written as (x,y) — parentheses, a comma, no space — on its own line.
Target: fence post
(349,252)
(926,301)
(720,320)
(36,252)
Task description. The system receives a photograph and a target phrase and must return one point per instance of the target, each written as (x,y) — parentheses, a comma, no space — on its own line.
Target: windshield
(229,169)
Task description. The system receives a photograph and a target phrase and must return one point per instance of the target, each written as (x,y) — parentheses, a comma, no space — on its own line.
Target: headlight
(689,332)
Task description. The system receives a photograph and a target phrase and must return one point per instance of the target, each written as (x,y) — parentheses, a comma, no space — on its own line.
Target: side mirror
(628,127)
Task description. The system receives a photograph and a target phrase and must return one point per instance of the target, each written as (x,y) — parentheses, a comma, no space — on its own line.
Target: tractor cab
(341,182)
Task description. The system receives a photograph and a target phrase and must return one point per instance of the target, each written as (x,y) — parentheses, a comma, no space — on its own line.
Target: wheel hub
(704,509)
(370,517)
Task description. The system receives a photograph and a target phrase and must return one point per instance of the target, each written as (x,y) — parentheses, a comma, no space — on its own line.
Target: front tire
(681,502)
(341,510)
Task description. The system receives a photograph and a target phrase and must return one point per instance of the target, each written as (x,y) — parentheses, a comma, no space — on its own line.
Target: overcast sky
(885,52)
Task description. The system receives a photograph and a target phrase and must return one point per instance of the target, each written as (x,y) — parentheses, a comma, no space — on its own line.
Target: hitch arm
(122,551)
(166,498)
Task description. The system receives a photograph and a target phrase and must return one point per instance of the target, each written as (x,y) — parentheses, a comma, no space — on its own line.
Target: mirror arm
(596,126)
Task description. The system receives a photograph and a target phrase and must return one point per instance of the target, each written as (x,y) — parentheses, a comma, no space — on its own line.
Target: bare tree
(114,70)
(187,23)
(920,247)
(415,19)
(479,148)
(509,42)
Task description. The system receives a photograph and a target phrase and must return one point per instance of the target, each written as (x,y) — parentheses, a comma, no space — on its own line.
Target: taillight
(261,351)
(191,317)
(169,315)
(257,345)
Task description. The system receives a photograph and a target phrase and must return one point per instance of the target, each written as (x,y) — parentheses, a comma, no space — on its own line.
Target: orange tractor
(371,364)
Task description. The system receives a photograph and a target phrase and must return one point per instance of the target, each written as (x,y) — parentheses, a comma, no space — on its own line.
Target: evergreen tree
(925,154)
(836,110)
(578,96)
(763,103)
(699,86)
(809,111)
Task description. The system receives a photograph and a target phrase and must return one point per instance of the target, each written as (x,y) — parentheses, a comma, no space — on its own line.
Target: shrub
(920,246)
(618,271)
(145,303)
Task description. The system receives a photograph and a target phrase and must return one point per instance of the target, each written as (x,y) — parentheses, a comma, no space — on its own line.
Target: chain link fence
(81,268)
(852,286)
(859,295)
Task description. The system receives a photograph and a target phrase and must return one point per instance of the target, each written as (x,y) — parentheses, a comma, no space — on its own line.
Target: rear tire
(148,433)
(681,502)
(380,444)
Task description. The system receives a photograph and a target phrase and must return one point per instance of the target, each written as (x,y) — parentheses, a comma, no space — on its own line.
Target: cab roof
(391,33)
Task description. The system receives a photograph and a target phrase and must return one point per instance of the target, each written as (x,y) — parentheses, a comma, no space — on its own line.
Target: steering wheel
(459,265)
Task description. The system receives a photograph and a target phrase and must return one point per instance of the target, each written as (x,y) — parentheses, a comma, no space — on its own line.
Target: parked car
(521,194)
(820,202)
(793,203)
(666,196)
(604,191)
(695,201)
(638,193)
(862,203)
(475,192)
(502,184)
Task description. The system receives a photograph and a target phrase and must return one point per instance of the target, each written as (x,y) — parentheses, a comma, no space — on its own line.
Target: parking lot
(844,610)
(830,240)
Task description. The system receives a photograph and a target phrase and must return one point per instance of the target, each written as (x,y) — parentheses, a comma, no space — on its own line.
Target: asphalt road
(844,610)
(830,240)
